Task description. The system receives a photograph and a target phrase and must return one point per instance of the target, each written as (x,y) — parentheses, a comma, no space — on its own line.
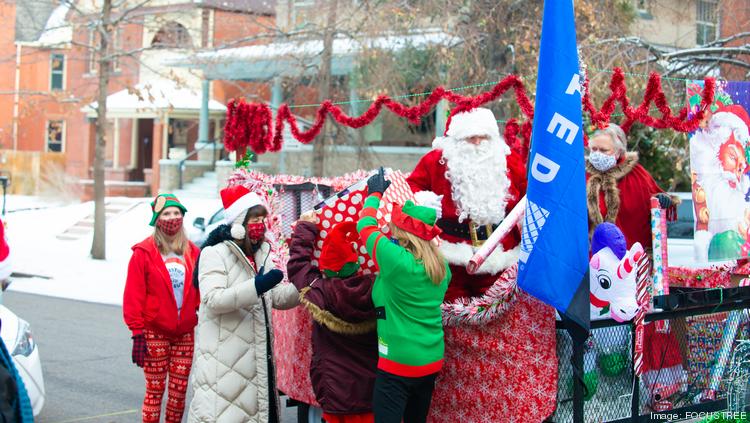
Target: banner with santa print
(719,155)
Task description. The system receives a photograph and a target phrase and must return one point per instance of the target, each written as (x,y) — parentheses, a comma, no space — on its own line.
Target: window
(172,35)
(93,47)
(57,72)
(302,13)
(707,20)
(116,47)
(93,43)
(56,136)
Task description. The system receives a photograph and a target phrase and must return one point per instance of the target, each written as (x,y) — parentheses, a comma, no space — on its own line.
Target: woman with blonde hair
(407,295)
(160,308)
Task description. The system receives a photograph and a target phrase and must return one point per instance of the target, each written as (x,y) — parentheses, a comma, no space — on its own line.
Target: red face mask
(256,231)
(170,227)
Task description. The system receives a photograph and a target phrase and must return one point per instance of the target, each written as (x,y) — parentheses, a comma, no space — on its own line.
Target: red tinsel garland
(251,124)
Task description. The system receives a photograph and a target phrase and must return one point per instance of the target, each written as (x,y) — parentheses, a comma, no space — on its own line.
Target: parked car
(16,334)
(680,250)
(200,228)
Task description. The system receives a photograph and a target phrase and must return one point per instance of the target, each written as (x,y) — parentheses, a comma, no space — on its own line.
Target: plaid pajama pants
(166,356)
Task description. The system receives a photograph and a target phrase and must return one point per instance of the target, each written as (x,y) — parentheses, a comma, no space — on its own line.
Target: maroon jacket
(344,360)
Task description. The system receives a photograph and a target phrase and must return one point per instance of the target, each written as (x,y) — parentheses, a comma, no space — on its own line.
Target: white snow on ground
(35,249)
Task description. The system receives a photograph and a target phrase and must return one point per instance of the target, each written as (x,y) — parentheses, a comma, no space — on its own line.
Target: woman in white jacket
(233,373)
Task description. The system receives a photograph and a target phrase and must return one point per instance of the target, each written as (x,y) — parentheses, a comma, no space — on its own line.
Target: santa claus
(473,179)
(718,159)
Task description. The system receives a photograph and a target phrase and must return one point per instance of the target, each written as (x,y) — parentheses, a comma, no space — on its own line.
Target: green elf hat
(417,220)
(161,202)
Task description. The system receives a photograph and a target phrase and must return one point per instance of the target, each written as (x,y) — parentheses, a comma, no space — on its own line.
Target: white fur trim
(241,205)
(238,232)
(459,254)
(732,121)
(430,199)
(479,121)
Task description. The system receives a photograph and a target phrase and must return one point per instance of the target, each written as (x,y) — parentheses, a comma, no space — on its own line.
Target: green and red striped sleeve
(380,248)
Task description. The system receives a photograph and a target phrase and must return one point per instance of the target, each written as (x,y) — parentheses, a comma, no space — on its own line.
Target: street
(85,353)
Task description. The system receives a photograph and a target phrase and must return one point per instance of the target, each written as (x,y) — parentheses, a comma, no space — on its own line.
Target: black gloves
(139,350)
(377,183)
(266,281)
(665,201)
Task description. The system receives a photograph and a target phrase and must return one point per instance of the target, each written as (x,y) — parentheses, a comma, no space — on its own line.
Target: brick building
(48,81)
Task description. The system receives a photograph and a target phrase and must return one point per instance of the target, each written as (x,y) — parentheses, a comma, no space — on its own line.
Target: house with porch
(46,120)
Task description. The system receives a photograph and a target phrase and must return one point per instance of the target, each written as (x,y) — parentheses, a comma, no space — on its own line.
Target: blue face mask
(395,241)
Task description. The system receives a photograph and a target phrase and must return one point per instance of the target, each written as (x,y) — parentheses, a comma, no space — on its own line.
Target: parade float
(506,357)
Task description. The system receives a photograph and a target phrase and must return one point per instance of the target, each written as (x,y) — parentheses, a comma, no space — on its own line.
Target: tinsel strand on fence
(252,124)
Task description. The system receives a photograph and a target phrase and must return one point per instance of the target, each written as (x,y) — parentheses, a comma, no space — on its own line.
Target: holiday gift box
(346,205)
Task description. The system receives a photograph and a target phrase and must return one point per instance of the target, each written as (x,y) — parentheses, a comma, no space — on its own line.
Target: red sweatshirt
(149,301)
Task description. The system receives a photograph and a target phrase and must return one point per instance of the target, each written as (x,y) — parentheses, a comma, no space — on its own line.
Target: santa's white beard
(478,178)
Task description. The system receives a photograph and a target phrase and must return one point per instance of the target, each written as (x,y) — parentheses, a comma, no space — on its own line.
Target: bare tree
(106,18)
(98,245)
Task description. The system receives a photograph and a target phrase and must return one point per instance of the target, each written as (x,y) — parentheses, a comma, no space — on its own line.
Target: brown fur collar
(335,324)
(606,182)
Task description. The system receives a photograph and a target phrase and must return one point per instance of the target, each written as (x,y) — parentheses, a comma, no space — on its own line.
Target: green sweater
(410,327)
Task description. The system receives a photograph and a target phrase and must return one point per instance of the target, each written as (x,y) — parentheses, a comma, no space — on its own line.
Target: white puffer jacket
(230,372)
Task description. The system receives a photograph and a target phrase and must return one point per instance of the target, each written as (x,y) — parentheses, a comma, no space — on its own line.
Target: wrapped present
(345,206)
(704,335)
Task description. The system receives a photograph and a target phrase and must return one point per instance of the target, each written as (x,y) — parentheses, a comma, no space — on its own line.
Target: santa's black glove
(139,350)
(266,281)
(665,201)
(377,183)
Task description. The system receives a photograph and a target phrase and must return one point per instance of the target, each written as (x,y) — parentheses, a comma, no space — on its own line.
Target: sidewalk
(35,249)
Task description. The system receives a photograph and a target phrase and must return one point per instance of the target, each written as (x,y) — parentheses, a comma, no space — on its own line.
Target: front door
(145,145)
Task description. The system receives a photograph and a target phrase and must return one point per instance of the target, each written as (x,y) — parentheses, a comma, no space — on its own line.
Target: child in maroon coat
(344,339)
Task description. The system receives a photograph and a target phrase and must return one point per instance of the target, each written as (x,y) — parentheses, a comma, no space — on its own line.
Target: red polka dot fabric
(346,206)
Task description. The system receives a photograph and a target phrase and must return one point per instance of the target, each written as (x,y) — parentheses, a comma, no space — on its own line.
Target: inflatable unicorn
(612,280)
(612,274)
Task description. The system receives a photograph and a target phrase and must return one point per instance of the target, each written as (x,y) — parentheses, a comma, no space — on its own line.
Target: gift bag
(345,206)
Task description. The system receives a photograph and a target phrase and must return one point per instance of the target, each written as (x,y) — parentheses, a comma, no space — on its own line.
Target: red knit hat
(338,257)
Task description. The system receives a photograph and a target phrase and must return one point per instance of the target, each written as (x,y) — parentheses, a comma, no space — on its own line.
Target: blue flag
(553,263)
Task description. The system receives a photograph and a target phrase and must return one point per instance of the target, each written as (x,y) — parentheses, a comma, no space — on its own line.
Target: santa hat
(4,254)
(734,117)
(417,220)
(338,257)
(237,201)
(471,123)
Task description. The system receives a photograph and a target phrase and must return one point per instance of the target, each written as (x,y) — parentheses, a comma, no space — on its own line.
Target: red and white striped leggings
(172,356)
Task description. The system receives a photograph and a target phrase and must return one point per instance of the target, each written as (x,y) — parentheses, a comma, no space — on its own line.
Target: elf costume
(344,341)
(407,306)
(407,303)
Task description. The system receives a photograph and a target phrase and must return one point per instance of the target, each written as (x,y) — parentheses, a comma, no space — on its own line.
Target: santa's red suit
(478,185)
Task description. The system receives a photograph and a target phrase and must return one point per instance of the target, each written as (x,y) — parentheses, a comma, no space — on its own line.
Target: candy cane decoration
(642,297)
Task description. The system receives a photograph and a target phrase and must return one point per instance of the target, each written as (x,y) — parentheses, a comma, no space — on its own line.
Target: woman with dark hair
(234,373)
(160,308)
